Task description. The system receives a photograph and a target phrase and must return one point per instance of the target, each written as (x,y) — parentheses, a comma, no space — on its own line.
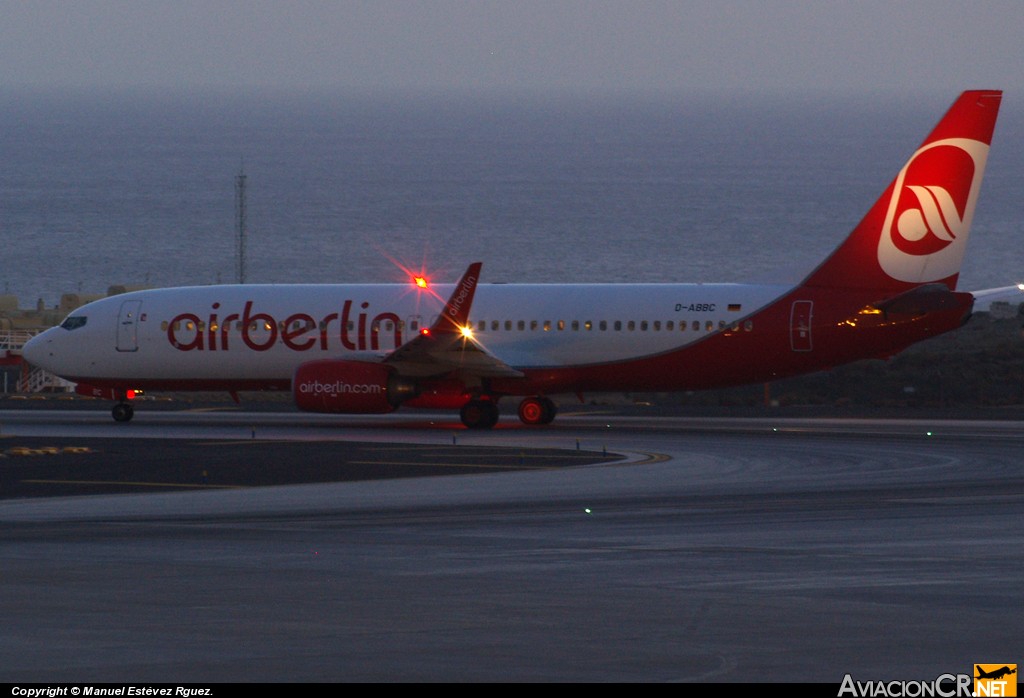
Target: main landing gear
(122,412)
(537,410)
(481,413)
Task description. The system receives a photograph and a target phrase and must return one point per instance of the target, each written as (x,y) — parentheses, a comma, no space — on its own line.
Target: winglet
(455,315)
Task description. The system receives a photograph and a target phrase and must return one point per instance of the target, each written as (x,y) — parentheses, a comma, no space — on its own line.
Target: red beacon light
(420,281)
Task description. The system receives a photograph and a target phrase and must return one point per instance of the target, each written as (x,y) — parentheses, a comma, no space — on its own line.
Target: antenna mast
(240,231)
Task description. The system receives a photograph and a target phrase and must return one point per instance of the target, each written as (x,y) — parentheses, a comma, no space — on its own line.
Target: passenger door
(128,326)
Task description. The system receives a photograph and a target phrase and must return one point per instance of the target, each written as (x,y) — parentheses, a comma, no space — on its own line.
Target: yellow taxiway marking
(507,466)
(652,458)
(131,484)
(452,451)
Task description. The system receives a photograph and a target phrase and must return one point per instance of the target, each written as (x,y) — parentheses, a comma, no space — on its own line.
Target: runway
(715,550)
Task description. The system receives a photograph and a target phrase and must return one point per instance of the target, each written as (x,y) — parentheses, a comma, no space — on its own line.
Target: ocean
(138,189)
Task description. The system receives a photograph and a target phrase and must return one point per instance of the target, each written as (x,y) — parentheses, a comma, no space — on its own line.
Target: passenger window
(576,325)
(696,325)
(522,325)
(604,325)
(618,325)
(657,325)
(643,325)
(588,325)
(709,325)
(561,325)
(547,325)
(669,325)
(495,325)
(508,325)
(533,325)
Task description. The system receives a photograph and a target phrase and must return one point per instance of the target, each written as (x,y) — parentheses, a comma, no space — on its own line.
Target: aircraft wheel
(123,412)
(537,410)
(479,414)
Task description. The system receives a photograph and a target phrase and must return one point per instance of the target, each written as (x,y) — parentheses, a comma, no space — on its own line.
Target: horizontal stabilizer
(921,300)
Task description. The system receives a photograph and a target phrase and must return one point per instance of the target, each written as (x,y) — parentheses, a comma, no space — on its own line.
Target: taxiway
(747,550)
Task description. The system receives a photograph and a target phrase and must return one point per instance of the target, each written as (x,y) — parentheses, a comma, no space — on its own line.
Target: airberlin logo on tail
(929,216)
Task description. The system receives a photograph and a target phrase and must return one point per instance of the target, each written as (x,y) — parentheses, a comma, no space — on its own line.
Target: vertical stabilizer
(917,231)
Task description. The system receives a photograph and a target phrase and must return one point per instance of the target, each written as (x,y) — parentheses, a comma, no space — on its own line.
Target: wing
(448,345)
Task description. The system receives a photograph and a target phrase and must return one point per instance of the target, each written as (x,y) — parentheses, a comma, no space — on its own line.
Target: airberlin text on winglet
(465,288)
(260,331)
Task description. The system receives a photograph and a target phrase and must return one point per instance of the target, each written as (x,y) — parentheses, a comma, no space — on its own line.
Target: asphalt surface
(62,467)
(716,550)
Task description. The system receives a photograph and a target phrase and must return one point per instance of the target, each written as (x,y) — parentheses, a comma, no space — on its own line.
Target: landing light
(466,332)
(420,281)
(1020,287)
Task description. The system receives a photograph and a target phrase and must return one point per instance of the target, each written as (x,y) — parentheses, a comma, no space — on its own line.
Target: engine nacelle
(351,387)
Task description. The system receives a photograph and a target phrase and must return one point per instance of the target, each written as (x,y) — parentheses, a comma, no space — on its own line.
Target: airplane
(995,674)
(365,349)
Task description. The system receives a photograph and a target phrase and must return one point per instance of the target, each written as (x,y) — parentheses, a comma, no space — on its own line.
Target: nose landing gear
(122,412)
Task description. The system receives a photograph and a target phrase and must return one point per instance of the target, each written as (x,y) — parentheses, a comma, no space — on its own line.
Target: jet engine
(352,387)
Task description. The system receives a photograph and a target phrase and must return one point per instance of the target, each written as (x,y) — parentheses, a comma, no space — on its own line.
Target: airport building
(18,325)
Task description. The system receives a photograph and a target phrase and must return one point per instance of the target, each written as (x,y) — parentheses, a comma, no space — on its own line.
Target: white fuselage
(264,332)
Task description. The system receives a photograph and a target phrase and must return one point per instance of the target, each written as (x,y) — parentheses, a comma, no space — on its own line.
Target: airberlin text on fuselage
(339,388)
(298,331)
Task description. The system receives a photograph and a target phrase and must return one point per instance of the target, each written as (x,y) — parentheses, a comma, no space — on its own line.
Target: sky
(535,45)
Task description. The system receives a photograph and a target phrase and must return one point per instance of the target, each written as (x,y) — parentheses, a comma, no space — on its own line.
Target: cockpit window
(73,322)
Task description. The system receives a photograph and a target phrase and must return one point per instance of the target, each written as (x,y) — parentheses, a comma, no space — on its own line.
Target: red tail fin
(917,231)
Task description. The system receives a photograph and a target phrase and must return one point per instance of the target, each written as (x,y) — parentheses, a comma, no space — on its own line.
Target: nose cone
(38,351)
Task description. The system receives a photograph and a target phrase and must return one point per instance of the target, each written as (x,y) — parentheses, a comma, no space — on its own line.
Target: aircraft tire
(122,412)
(537,410)
(479,414)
